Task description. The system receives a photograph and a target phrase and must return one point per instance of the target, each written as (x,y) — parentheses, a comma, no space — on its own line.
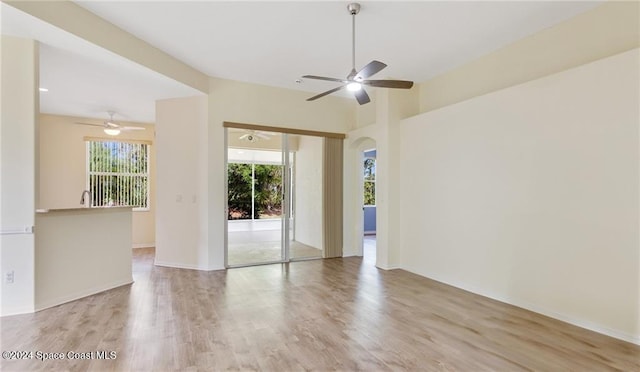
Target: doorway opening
(369,205)
(274,203)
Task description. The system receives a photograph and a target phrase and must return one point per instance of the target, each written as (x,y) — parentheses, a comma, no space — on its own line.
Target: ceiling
(271,43)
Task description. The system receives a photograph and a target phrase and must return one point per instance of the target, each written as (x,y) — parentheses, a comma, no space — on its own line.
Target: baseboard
(582,323)
(386,268)
(18,311)
(83,293)
(144,245)
(579,322)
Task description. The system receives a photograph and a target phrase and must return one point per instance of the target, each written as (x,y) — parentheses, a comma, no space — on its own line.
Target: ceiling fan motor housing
(354,8)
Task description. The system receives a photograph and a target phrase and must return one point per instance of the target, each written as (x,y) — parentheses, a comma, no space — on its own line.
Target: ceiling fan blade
(244,136)
(94,125)
(399,84)
(362,97)
(262,135)
(132,128)
(324,78)
(370,69)
(325,93)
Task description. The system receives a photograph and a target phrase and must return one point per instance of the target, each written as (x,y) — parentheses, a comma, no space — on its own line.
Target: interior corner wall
(308,191)
(181,195)
(63,167)
(530,195)
(19,105)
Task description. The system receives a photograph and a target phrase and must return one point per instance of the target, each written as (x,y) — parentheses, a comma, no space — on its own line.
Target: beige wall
(366,114)
(63,167)
(531,194)
(181,233)
(191,160)
(18,180)
(604,31)
(278,107)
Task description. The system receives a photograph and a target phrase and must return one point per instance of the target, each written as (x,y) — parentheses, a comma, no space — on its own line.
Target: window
(118,174)
(254,191)
(369,181)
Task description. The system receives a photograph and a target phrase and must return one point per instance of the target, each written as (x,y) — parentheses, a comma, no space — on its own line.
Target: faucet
(82,199)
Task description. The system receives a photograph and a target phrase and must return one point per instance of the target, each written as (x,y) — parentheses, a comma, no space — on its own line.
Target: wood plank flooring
(337,314)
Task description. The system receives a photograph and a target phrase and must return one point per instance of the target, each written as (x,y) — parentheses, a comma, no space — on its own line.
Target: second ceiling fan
(111,127)
(356,79)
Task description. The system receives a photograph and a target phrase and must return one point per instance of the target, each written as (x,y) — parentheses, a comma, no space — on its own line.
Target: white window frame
(146,175)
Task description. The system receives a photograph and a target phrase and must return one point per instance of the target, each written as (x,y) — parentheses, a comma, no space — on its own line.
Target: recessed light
(43,89)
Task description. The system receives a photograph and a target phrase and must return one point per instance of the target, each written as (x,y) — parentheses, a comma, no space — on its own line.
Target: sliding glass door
(274,198)
(255,217)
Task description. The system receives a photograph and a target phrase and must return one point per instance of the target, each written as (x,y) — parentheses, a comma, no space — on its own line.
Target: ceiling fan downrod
(353,8)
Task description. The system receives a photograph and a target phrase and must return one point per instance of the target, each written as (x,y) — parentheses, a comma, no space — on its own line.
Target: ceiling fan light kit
(112,131)
(356,80)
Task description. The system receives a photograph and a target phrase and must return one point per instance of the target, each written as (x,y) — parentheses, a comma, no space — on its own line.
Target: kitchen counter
(81,209)
(80,252)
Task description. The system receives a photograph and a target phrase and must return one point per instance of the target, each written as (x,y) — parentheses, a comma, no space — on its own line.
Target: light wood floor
(336,314)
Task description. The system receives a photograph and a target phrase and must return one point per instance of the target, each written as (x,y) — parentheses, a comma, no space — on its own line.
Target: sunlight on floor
(261,241)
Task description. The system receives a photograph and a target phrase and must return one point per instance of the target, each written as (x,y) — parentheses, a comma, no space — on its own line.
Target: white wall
(18,181)
(181,167)
(530,195)
(308,191)
(63,167)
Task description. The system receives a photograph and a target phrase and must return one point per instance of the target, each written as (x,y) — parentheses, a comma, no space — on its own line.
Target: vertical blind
(118,173)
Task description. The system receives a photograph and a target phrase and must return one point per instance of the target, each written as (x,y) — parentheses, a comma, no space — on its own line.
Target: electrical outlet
(10,277)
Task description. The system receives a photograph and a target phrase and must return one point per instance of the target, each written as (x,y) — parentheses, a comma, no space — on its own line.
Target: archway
(355,190)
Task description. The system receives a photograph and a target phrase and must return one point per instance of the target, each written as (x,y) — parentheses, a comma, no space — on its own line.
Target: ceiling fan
(111,127)
(356,79)
(254,136)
